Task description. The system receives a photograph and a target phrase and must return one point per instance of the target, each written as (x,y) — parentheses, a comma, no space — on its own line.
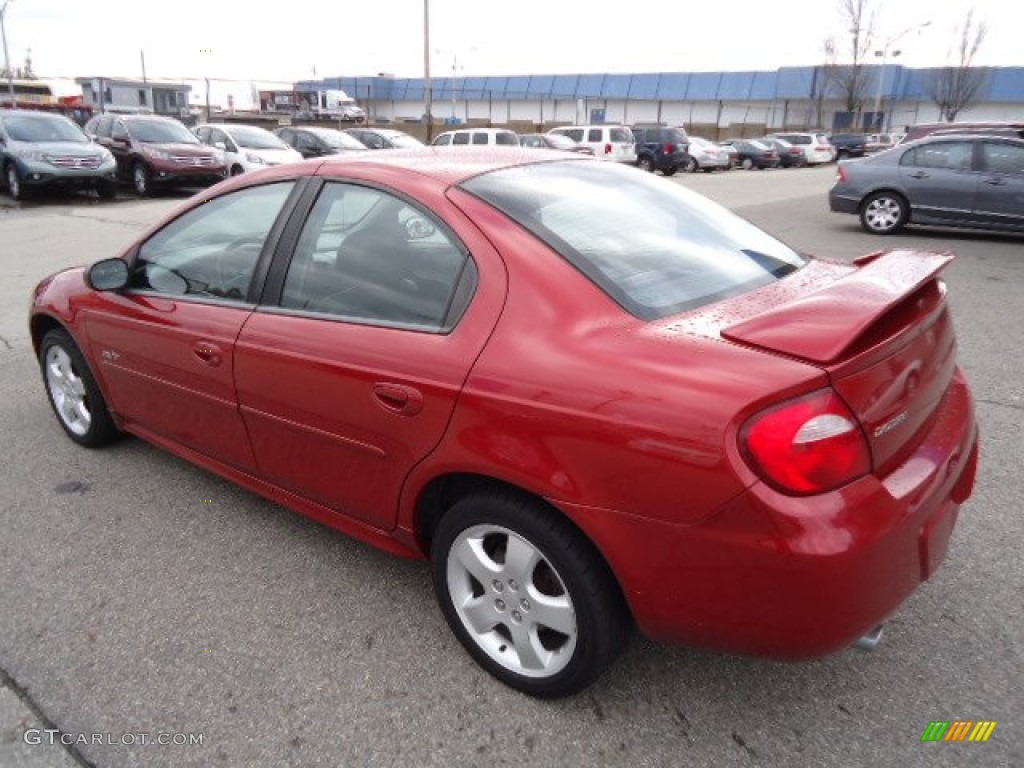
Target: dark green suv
(659,148)
(39,149)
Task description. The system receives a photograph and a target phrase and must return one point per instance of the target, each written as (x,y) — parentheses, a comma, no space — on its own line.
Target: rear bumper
(839,203)
(794,578)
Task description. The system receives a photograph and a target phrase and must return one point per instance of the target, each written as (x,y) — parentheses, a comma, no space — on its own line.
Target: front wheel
(747,163)
(692,166)
(74,395)
(645,163)
(526,594)
(107,190)
(142,180)
(14,188)
(671,171)
(884,213)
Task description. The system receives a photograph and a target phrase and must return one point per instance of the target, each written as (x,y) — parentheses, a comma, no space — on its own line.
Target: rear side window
(460,138)
(479,138)
(506,139)
(948,155)
(654,248)
(621,135)
(594,134)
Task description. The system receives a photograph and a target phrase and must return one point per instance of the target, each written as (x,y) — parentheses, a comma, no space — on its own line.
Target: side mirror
(121,138)
(107,275)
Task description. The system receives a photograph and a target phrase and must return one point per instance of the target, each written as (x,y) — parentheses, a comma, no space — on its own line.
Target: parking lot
(141,595)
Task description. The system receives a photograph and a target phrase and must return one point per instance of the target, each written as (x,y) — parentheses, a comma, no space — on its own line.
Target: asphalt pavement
(144,600)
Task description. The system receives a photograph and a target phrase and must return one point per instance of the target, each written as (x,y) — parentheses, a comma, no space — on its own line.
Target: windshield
(255,138)
(400,139)
(558,141)
(160,132)
(35,129)
(655,248)
(337,139)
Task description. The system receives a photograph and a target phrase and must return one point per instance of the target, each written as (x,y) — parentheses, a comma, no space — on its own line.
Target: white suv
(479,137)
(609,142)
(816,146)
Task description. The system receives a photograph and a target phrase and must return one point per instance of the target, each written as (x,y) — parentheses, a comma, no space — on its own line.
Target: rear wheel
(692,165)
(747,163)
(237,170)
(74,395)
(107,190)
(884,213)
(526,594)
(645,163)
(671,171)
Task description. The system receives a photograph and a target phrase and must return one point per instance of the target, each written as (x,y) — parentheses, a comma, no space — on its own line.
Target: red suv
(152,150)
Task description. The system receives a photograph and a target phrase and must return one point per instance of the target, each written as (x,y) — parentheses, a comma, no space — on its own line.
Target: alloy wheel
(67,389)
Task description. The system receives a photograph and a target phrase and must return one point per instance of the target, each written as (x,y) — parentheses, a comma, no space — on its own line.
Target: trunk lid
(883,334)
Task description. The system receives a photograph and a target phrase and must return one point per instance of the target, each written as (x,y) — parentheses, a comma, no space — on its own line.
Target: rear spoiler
(822,325)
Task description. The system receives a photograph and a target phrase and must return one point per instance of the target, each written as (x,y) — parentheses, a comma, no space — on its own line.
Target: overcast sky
(198,38)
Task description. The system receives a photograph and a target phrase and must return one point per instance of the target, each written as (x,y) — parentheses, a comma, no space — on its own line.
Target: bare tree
(851,79)
(824,75)
(955,86)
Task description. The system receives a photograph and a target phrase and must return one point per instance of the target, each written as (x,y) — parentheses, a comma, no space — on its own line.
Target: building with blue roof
(718,102)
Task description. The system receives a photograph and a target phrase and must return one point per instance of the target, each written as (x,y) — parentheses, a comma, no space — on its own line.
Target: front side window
(657,249)
(443,140)
(365,255)
(211,251)
(460,138)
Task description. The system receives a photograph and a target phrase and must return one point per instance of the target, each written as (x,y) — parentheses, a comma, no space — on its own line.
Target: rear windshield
(655,248)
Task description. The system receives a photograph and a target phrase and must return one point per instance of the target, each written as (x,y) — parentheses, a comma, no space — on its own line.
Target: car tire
(106,190)
(142,179)
(671,171)
(237,170)
(548,624)
(13,180)
(884,213)
(73,393)
(747,164)
(692,166)
(645,163)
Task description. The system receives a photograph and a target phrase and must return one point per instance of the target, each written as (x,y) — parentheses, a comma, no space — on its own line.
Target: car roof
(449,165)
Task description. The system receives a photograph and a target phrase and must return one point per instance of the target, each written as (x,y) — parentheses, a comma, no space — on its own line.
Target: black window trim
(259,275)
(273,287)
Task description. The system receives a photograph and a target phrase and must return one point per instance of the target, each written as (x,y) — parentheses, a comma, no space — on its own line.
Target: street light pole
(884,54)
(7,59)
(427,89)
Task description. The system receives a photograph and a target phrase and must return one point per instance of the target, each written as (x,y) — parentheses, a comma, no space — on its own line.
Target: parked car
(39,150)
(1011,129)
(849,144)
(704,155)
(815,145)
(609,142)
(790,155)
(732,153)
(383,138)
(310,141)
(245,147)
(477,137)
(154,151)
(660,148)
(753,154)
(492,363)
(552,141)
(879,142)
(959,181)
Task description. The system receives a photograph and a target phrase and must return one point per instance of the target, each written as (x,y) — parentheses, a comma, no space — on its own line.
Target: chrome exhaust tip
(871,640)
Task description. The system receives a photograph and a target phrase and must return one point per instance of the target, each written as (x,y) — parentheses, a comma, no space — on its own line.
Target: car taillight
(809,445)
(823,149)
(608,149)
(840,175)
(669,149)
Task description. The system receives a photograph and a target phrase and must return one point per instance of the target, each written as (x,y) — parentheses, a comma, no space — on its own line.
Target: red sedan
(589,397)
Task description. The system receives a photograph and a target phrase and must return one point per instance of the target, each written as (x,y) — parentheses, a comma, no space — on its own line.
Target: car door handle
(399,398)
(919,175)
(995,181)
(208,352)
